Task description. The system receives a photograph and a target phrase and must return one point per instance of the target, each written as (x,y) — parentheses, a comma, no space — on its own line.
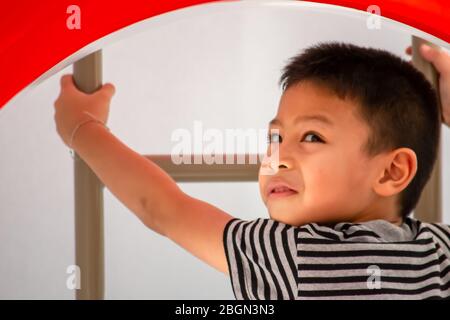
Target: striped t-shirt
(268,259)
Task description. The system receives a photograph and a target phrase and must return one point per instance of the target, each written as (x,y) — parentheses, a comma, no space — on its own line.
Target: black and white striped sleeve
(261,256)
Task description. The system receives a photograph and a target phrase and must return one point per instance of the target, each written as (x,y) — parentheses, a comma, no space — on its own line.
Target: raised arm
(137,182)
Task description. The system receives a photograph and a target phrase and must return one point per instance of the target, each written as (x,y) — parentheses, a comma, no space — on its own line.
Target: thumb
(436,57)
(107,90)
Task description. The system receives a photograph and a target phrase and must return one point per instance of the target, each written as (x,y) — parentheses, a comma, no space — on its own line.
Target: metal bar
(89,246)
(238,168)
(429,207)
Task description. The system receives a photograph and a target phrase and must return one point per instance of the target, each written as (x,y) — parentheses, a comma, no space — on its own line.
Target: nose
(282,157)
(285,162)
(282,166)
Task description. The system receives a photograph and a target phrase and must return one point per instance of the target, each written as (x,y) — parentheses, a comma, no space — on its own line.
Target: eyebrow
(313,117)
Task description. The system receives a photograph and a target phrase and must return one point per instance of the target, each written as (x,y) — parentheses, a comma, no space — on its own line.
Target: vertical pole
(89,252)
(429,207)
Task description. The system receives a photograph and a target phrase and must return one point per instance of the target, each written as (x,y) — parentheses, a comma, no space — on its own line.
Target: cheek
(328,180)
(359,173)
(325,174)
(262,181)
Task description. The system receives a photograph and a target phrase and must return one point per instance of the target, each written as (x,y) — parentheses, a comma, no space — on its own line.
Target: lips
(278,188)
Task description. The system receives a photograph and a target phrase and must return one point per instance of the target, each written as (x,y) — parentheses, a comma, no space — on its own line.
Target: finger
(108,89)
(408,50)
(66,81)
(437,57)
(427,52)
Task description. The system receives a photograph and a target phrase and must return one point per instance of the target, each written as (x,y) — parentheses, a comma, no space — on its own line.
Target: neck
(384,209)
(394,220)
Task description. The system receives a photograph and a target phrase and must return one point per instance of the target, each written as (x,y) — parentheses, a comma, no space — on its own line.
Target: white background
(218,63)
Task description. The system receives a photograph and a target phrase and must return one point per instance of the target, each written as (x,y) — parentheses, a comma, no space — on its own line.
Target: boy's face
(323,162)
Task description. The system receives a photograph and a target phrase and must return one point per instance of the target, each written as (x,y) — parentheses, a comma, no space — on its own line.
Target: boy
(358,134)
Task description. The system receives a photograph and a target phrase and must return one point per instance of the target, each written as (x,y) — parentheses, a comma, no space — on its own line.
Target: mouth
(280,192)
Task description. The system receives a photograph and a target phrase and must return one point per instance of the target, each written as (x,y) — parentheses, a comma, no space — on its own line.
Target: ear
(398,168)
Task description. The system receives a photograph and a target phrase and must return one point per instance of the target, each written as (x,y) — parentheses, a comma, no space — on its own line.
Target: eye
(315,137)
(274,138)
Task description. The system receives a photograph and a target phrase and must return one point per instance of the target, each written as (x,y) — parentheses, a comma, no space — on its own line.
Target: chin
(286,218)
(291,217)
